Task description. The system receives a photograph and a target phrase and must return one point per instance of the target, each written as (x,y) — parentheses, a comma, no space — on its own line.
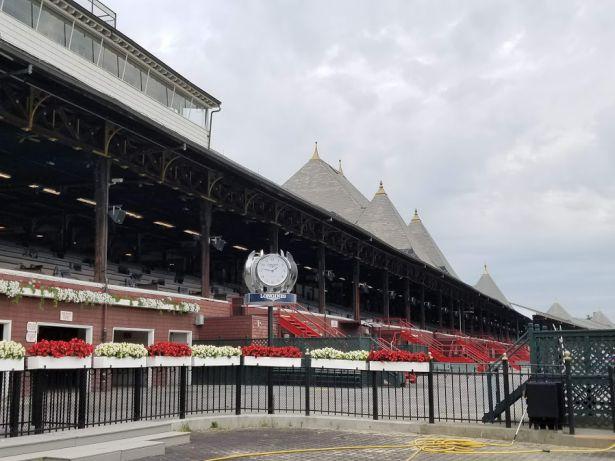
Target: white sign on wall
(31,327)
(31,337)
(335,323)
(66,316)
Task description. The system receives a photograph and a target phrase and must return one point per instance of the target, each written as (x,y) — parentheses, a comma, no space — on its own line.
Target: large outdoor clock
(270,273)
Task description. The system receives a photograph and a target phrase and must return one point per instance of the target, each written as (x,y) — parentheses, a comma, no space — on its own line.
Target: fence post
(136,393)
(505,370)
(238,380)
(183,390)
(498,398)
(308,373)
(270,402)
(38,378)
(570,403)
(375,409)
(15,400)
(612,387)
(430,399)
(83,395)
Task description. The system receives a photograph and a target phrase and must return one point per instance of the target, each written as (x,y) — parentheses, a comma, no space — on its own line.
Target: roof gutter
(211,122)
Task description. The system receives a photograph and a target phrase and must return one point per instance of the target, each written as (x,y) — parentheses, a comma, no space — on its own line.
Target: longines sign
(267,299)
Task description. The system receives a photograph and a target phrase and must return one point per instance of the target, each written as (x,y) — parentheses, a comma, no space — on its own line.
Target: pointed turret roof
(382,219)
(425,246)
(323,185)
(557,310)
(487,286)
(599,317)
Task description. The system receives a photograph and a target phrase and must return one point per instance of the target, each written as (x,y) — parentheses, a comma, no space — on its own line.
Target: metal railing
(100,10)
(40,401)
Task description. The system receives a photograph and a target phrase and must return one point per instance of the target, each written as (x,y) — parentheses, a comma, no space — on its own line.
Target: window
(111,62)
(82,43)
(179,103)
(134,76)
(54,27)
(157,90)
(23,10)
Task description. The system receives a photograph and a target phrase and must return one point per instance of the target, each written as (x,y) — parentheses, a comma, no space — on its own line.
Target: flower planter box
(215,361)
(11,364)
(287,362)
(340,364)
(417,367)
(59,363)
(114,362)
(162,361)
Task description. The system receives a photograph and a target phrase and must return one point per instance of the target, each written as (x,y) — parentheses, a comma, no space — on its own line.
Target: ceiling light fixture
(128,254)
(87,201)
(307,268)
(191,232)
(2,227)
(51,191)
(39,236)
(34,186)
(134,215)
(164,224)
(240,247)
(5,175)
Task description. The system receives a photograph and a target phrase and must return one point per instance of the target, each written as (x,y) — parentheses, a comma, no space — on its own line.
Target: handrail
(307,316)
(522,341)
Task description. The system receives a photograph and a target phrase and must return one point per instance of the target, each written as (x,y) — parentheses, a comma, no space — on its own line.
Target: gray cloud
(493,118)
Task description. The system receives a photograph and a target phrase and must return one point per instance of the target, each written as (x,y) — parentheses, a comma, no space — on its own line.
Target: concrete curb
(478,431)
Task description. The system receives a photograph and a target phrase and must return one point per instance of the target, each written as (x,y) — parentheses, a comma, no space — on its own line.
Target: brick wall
(30,309)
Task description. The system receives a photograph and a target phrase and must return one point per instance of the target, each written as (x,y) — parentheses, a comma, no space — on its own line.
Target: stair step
(118,450)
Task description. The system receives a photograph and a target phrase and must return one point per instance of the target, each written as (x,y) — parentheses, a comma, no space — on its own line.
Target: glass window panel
(53,26)
(110,61)
(179,103)
(157,90)
(21,10)
(134,76)
(82,43)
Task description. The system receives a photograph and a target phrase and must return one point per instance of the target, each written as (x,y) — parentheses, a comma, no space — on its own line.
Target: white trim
(6,334)
(189,332)
(34,276)
(89,329)
(150,333)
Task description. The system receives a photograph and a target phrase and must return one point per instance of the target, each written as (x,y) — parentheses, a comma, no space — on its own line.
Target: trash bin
(545,404)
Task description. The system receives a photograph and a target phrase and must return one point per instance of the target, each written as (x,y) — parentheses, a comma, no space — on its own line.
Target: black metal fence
(38,401)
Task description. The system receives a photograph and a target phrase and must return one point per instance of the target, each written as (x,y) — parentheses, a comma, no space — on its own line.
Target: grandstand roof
(425,246)
(487,286)
(320,183)
(382,219)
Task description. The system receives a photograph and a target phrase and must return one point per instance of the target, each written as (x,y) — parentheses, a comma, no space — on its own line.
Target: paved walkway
(218,443)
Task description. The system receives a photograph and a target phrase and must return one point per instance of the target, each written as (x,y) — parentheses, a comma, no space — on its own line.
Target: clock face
(272,270)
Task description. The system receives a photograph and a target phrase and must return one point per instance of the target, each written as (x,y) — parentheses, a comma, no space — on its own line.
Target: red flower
(167,349)
(73,348)
(397,356)
(265,351)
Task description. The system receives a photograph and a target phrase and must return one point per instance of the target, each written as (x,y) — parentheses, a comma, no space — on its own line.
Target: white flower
(121,350)
(11,350)
(334,354)
(206,351)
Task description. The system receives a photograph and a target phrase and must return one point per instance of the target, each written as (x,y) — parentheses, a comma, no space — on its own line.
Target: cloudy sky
(494,119)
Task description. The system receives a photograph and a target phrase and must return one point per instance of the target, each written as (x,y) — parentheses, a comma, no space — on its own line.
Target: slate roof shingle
(425,246)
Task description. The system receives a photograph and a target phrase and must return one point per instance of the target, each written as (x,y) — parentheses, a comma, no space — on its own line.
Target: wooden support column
(101,197)
(356,295)
(461,317)
(407,304)
(422,301)
(385,295)
(274,234)
(481,322)
(205,218)
(440,309)
(321,279)
(451,314)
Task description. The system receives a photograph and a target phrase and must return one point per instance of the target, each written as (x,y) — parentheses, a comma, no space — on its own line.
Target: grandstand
(109,185)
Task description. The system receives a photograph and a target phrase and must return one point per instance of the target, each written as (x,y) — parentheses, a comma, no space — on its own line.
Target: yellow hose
(431,445)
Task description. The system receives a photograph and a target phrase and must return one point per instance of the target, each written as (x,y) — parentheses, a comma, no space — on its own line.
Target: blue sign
(270,299)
